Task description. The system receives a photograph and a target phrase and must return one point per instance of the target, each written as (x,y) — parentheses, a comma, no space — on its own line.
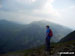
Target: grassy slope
(55,48)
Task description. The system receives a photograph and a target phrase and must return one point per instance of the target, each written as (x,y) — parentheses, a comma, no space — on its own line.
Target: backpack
(50,33)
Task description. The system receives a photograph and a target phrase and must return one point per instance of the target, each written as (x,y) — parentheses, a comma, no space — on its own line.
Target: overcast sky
(26,11)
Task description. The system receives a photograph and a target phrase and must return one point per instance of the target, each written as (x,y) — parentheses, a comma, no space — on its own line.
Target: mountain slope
(69,37)
(56,48)
(15,36)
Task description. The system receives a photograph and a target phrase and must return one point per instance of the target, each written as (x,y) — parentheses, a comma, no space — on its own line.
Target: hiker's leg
(47,44)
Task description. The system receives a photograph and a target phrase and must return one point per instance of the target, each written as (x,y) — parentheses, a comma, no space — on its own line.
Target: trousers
(47,43)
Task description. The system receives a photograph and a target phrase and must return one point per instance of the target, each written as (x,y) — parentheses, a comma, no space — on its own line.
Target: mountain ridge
(18,37)
(69,37)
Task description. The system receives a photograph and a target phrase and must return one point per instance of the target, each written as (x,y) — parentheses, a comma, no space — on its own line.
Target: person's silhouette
(48,37)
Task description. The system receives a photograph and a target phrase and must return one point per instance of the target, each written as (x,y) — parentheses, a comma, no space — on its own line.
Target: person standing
(49,34)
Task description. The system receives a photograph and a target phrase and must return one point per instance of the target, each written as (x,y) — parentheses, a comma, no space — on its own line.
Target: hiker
(49,34)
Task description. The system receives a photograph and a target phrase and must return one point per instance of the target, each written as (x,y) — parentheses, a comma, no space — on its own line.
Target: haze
(27,11)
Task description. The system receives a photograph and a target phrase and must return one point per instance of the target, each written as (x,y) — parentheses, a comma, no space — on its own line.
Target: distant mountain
(69,37)
(15,36)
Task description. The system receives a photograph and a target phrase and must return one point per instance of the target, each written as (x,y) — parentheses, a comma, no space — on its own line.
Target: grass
(40,49)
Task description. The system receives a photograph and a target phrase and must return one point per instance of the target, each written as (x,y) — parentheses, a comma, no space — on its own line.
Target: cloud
(48,9)
(28,10)
(0,6)
(23,4)
(18,17)
(68,16)
(26,1)
(33,0)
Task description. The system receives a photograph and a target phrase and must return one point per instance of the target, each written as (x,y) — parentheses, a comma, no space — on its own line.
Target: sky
(27,11)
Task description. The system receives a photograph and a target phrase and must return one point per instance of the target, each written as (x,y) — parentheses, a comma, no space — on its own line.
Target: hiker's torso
(47,32)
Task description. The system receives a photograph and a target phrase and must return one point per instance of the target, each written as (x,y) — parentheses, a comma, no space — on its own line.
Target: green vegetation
(55,48)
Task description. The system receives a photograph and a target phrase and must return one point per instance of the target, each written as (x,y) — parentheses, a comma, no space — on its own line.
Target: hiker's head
(47,26)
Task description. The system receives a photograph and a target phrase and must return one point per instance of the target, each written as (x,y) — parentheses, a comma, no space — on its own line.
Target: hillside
(56,48)
(69,37)
(15,36)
